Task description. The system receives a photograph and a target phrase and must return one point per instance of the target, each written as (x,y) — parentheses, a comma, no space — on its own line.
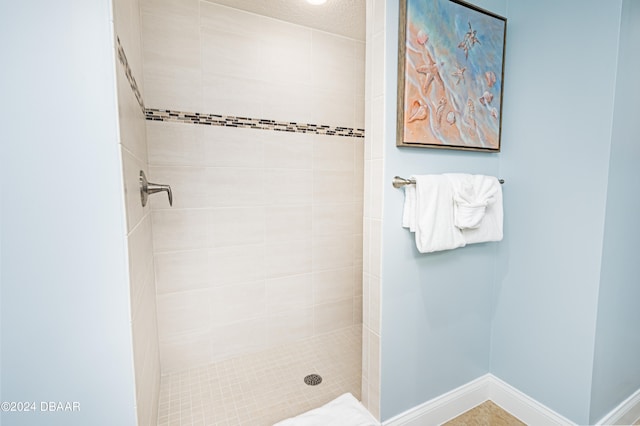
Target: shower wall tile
(237,338)
(237,302)
(237,264)
(288,223)
(188,183)
(289,293)
(332,285)
(133,148)
(332,219)
(289,150)
(289,326)
(171,54)
(228,146)
(131,167)
(141,249)
(181,271)
(284,186)
(176,144)
(288,258)
(263,245)
(180,229)
(236,226)
(332,252)
(130,118)
(332,316)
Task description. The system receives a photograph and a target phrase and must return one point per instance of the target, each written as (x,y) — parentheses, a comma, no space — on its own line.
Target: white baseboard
(444,407)
(627,413)
(464,398)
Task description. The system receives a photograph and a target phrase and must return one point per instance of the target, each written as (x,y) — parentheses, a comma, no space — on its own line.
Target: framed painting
(450,75)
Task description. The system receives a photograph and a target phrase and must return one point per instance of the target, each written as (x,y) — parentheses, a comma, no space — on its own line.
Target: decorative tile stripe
(226,120)
(250,123)
(127,70)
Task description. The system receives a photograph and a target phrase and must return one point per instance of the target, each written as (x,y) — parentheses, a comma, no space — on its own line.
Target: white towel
(451,210)
(409,211)
(490,229)
(471,195)
(434,221)
(345,410)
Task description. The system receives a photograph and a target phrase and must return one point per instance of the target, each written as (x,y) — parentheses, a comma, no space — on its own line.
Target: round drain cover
(313,379)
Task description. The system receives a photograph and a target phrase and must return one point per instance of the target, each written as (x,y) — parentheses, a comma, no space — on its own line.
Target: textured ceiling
(343,17)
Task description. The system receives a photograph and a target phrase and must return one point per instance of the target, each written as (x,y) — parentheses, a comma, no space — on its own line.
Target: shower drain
(313,379)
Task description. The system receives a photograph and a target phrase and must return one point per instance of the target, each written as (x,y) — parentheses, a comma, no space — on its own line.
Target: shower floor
(264,387)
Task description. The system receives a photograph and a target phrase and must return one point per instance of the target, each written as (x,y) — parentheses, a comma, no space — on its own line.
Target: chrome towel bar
(400,181)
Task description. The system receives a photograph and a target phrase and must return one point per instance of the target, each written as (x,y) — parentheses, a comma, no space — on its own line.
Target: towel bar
(399,181)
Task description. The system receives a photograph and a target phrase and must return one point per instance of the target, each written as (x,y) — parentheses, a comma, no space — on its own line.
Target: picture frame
(450,76)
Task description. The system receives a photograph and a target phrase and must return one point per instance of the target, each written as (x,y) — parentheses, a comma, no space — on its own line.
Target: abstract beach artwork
(450,75)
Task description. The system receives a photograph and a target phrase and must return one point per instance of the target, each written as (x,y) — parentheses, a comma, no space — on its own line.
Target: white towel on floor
(345,410)
(434,221)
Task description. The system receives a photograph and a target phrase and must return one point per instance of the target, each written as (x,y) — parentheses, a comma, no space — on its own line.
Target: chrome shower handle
(147,188)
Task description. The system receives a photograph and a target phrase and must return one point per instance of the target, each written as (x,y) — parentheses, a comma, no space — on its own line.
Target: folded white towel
(490,228)
(345,410)
(451,210)
(409,211)
(471,195)
(434,221)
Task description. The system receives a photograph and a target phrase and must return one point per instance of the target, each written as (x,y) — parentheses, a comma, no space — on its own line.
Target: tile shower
(257,124)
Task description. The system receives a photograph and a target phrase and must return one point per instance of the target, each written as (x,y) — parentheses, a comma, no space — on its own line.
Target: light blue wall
(616,370)
(65,316)
(436,308)
(560,81)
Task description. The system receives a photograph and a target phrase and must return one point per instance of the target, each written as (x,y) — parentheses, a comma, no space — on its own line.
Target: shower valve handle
(147,188)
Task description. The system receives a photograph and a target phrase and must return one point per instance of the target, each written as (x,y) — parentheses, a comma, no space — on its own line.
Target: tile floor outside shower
(265,387)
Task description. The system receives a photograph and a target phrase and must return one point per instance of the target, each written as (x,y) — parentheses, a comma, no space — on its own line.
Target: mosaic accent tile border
(227,120)
(127,70)
(251,123)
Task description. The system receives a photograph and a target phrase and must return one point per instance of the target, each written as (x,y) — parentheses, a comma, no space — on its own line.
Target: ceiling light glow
(316,2)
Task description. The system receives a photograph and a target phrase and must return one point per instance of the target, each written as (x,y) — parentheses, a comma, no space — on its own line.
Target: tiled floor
(266,387)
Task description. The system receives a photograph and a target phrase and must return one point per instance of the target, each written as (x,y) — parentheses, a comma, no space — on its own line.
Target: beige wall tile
(240,337)
(289,326)
(185,350)
(182,271)
(261,217)
(290,258)
(332,252)
(289,293)
(183,312)
(179,229)
(333,219)
(237,302)
(332,186)
(332,285)
(232,147)
(332,316)
(288,223)
(175,144)
(233,187)
(236,226)
(140,259)
(130,117)
(333,153)
(237,264)
(288,150)
(289,186)
(188,185)
(131,169)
